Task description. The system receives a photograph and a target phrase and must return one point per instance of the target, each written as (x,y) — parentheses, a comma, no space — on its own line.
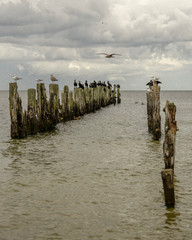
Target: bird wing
(115,54)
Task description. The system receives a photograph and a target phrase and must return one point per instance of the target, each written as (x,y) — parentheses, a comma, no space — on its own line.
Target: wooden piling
(43,114)
(170,135)
(169,153)
(65,104)
(54,103)
(168,185)
(153,111)
(118,94)
(32,126)
(18,118)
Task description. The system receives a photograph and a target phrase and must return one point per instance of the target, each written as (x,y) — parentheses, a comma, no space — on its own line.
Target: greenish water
(96,178)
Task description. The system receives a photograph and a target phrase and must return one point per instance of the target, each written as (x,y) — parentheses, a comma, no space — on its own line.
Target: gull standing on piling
(16,78)
(38,80)
(53,79)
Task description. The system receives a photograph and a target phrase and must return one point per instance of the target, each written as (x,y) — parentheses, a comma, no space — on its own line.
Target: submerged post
(153,110)
(168,185)
(169,153)
(18,119)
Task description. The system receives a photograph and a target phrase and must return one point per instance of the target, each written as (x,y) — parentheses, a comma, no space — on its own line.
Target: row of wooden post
(42,115)
(154,127)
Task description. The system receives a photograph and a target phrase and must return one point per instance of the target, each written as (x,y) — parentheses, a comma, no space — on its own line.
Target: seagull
(53,79)
(16,78)
(39,80)
(110,55)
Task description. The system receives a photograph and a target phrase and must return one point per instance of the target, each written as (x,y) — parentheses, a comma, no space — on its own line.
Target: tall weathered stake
(169,153)
(153,110)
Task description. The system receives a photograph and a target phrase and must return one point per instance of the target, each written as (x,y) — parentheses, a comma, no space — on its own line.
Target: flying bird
(16,78)
(53,79)
(110,55)
(38,80)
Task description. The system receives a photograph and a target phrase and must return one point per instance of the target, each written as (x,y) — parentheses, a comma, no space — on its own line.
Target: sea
(96,178)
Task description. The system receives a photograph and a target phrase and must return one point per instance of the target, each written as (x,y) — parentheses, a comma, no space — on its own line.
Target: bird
(38,80)
(156,81)
(81,85)
(111,55)
(53,79)
(86,83)
(75,83)
(150,83)
(109,84)
(16,78)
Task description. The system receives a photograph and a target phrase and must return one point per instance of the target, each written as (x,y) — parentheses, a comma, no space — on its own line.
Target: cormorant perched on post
(81,85)
(86,83)
(109,84)
(118,86)
(150,83)
(75,83)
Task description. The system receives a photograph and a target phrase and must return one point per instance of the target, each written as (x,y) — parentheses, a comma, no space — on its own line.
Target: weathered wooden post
(65,103)
(32,126)
(170,135)
(153,110)
(43,114)
(54,103)
(18,119)
(71,105)
(169,153)
(168,185)
(118,94)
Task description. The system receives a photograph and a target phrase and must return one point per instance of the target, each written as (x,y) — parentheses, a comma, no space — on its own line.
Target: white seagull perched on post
(53,79)
(39,80)
(16,78)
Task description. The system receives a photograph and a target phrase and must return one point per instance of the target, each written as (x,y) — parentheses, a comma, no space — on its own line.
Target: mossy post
(153,111)
(32,126)
(18,119)
(54,103)
(169,153)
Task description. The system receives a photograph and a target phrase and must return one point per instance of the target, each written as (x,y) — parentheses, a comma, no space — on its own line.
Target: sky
(65,38)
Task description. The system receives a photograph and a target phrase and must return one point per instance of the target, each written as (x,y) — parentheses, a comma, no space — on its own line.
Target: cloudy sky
(64,37)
